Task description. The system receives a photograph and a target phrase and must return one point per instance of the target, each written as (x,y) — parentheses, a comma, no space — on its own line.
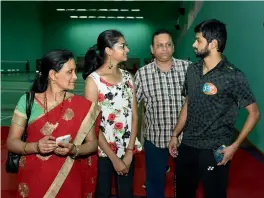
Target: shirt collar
(221,65)
(155,67)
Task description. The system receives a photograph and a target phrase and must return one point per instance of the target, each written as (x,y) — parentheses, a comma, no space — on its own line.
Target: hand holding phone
(218,155)
(63,139)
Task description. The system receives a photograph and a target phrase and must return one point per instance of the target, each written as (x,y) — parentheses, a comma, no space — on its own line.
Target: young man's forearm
(251,121)
(182,119)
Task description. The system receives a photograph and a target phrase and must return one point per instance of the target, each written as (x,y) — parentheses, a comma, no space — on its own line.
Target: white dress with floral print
(116,104)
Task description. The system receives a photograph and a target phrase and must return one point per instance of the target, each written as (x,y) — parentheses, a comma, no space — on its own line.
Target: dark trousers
(156,163)
(124,184)
(193,165)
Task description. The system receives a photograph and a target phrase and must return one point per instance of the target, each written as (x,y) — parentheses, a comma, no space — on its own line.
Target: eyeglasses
(123,45)
(167,45)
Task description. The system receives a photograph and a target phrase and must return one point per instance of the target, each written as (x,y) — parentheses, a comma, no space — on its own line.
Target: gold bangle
(37,146)
(73,147)
(77,152)
(25,148)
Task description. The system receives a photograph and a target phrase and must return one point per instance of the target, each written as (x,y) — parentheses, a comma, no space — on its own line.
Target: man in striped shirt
(159,86)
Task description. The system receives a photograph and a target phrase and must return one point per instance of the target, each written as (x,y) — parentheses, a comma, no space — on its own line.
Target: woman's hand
(47,144)
(64,149)
(127,159)
(120,167)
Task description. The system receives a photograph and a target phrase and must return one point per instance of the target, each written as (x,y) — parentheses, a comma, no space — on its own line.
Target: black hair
(55,60)
(213,29)
(92,60)
(161,31)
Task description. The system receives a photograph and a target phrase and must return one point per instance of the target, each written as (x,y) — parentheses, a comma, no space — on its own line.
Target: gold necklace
(50,127)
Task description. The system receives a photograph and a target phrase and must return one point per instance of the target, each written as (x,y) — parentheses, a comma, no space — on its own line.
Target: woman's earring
(110,66)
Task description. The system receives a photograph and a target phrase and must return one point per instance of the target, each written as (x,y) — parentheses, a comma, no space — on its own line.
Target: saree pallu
(37,172)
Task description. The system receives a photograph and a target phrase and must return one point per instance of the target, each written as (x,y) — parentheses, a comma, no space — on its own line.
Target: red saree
(37,172)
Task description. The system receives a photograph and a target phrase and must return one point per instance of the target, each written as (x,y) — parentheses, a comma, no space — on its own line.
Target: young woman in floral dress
(112,88)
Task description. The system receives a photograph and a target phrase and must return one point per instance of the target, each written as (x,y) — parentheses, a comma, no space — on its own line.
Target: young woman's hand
(120,167)
(128,157)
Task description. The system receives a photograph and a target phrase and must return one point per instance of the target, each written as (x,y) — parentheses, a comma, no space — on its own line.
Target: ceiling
(150,10)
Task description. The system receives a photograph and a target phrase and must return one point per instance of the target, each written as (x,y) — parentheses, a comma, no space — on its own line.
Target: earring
(110,66)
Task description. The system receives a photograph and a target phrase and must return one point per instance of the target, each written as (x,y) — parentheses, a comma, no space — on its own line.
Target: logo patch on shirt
(209,89)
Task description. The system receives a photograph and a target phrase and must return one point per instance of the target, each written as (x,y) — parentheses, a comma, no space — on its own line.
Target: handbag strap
(30,95)
(29,104)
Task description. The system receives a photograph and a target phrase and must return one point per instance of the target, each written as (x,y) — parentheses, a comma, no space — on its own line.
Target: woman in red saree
(47,168)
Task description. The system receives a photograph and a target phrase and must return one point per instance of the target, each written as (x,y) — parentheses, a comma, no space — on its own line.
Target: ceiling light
(60,9)
(101,17)
(70,9)
(120,17)
(114,10)
(83,17)
(124,10)
(102,10)
(111,17)
(130,17)
(81,9)
(139,17)
(135,10)
(74,17)
(91,17)
(91,9)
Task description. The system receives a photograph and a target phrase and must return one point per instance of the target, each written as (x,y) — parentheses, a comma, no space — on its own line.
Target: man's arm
(182,119)
(178,129)
(252,119)
(245,98)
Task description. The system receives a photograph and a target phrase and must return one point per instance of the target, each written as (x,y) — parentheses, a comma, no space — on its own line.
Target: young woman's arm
(134,130)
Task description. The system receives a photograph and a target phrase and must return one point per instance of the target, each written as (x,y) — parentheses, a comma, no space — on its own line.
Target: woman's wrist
(73,150)
(76,153)
(130,150)
(30,148)
(25,148)
(37,149)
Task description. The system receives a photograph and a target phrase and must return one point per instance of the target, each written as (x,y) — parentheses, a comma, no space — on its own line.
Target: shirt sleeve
(138,87)
(20,116)
(242,92)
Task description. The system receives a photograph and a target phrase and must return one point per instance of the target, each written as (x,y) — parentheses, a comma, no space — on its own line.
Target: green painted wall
(79,35)
(244,48)
(21,33)
(29,29)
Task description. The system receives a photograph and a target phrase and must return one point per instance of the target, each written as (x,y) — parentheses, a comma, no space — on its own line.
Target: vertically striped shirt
(163,100)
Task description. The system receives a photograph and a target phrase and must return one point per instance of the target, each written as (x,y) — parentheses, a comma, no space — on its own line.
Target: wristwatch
(77,152)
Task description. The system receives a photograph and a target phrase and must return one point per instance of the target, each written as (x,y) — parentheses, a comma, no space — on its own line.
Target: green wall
(79,35)
(244,48)
(29,29)
(21,33)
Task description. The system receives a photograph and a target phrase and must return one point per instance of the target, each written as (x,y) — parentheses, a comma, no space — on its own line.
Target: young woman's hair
(55,60)
(94,60)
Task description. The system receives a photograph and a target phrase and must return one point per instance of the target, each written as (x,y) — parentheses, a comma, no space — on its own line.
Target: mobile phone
(63,139)
(217,155)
